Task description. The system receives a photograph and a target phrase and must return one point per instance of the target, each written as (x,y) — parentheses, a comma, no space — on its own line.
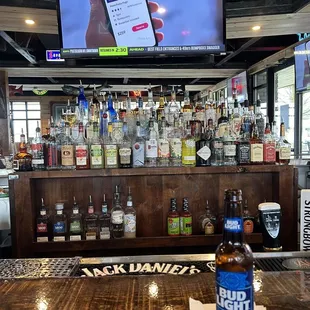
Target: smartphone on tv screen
(130,22)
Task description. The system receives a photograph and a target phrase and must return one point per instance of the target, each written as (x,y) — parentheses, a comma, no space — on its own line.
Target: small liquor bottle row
(121,222)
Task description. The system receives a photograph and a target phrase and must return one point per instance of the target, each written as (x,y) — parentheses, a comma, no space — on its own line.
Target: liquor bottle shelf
(154,171)
(142,242)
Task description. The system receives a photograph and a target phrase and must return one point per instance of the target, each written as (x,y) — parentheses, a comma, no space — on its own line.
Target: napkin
(197,305)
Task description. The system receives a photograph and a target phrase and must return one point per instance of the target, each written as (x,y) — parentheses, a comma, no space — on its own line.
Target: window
(305,125)
(24,115)
(285,101)
(260,91)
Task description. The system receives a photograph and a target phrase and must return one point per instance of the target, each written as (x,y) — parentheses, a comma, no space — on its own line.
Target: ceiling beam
(238,51)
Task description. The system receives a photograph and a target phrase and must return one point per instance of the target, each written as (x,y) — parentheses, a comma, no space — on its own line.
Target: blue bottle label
(233,224)
(234,290)
(59,227)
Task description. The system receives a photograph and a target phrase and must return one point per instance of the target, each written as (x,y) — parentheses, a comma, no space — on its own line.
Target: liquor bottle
(59,223)
(117,216)
(269,147)
(247,118)
(230,149)
(111,111)
(283,148)
(150,100)
(175,144)
(81,150)
(200,112)
(196,127)
(257,147)
(186,220)
(96,151)
(122,112)
(234,259)
(22,159)
(151,146)
(173,108)
(110,150)
(173,219)
(203,147)
(236,120)
(51,154)
(161,108)
(248,219)
(43,224)
(130,117)
(243,148)
(217,150)
(37,151)
(208,222)
(104,221)
(46,137)
(163,146)
(187,109)
(138,149)
(104,119)
(67,151)
(83,105)
(75,223)
(125,150)
(188,149)
(222,122)
(91,222)
(130,220)
(259,119)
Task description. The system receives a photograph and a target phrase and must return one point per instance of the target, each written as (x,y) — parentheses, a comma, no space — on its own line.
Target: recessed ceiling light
(29,22)
(256,28)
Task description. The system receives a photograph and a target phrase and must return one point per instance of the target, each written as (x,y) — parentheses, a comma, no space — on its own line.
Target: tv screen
(302,66)
(101,28)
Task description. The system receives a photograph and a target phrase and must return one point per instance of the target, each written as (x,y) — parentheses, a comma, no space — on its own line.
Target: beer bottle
(234,259)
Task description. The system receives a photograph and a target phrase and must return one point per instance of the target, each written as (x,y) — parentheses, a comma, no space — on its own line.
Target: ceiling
(25,61)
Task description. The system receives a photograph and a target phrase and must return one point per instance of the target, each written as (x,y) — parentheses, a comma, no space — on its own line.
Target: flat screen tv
(109,28)
(302,66)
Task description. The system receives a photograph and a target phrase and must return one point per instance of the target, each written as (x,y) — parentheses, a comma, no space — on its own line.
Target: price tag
(113,51)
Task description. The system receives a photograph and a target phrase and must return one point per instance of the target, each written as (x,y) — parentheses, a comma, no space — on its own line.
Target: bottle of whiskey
(217,150)
(186,220)
(130,221)
(187,108)
(117,216)
(269,147)
(283,148)
(37,151)
(110,150)
(104,221)
(230,148)
(173,219)
(91,219)
(248,219)
(67,151)
(243,148)
(81,150)
(43,224)
(125,150)
(59,223)
(257,148)
(208,222)
(76,223)
(52,160)
(22,159)
(96,151)
(175,144)
(161,108)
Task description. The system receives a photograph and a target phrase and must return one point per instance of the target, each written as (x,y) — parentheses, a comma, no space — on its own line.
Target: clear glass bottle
(51,155)
(59,223)
(217,150)
(81,150)
(22,159)
(230,149)
(259,119)
(43,227)
(269,147)
(187,108)
(110,150)
(175,143)
(173,108)
(67,151)
(257,147)
(91,222)
(247,118)
(104,221)
(75,223)
(138,149)
(151,146)
(188,149)
(208,221)
(125,150)
(37,151)
(130,219)
(283,148)
(186,219)
(163,145)
(83,105)
(117,216)
(95,147)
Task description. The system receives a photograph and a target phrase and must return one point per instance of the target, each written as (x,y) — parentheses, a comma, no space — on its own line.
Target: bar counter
(274,290)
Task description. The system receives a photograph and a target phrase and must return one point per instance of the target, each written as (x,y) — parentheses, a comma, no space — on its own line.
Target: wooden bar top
(276,290)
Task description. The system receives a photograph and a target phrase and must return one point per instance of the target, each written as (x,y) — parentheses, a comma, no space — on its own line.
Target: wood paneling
(152,190)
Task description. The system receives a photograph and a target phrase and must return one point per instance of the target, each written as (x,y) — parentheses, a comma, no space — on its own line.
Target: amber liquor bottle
(43,224)
(283,148)
(248,219)
(91,222)
(208,221)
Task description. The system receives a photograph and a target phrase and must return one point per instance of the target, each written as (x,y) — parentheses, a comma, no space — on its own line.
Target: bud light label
(234,224)
(234,290)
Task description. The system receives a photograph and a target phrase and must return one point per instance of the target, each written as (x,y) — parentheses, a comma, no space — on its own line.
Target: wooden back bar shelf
(152,189)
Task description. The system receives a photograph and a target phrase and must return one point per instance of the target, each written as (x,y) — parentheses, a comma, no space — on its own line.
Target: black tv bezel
(304,89)
(160,55)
